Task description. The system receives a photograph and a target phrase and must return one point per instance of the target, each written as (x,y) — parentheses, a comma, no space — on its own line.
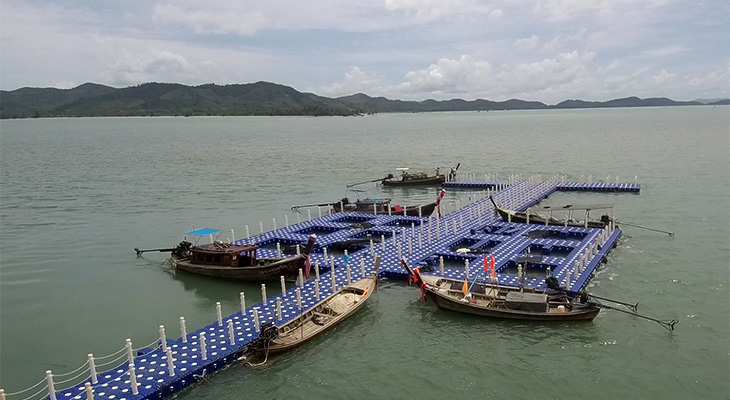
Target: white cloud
(205,21)
(356,81)
(527,44)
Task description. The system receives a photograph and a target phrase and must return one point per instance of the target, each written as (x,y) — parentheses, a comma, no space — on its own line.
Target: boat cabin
(224,255)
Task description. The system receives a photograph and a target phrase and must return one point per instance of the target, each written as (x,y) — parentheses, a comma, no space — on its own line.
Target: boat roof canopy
(203,232)
(572,207)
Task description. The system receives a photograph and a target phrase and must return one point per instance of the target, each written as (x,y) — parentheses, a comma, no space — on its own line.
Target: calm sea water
(78,195)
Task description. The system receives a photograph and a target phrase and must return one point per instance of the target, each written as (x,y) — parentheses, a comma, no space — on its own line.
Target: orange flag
(464,288)
(486,266)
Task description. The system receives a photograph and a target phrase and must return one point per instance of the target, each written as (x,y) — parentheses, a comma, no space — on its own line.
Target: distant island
(260,98)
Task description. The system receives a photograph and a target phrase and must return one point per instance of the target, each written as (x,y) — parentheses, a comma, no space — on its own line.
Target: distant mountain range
(260,98)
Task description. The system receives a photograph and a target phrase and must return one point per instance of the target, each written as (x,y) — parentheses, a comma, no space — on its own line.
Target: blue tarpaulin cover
(203,232)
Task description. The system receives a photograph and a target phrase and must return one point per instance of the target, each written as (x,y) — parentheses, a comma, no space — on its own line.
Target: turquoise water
(78,195)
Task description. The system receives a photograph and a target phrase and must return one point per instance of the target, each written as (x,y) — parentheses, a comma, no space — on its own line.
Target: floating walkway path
(165,367)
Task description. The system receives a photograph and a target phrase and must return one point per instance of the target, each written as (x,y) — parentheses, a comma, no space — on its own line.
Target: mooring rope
(110,355)
(33,396)
(72,372)
(116,360)
(26,390)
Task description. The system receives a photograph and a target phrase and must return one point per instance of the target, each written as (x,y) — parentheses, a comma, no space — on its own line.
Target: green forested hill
(260,98)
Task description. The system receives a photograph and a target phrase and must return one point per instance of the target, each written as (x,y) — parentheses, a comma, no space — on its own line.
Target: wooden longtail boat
(380,206)
(318,319)
(504,302)
(535,218)
(233,261)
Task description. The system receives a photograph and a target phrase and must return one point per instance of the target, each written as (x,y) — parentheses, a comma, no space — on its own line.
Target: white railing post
(87,388)
(278,309)
(231,335)
(130,355)
(203,352)
(132,380)
(163,339)
(170,362)
(218,313)
(92,369)
(283,286)
(49,383)
(299,299)
(316,289)
(183,330)
(243,303)
(263,293)
(256,326)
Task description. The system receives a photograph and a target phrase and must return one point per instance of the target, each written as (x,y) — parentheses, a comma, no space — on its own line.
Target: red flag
(486,266)
(438,201)
(307,267)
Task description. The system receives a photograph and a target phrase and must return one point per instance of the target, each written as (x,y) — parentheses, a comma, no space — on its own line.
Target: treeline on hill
(260,98)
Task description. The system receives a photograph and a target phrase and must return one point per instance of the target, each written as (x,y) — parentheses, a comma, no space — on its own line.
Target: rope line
(26,390)
(72,372)
(156,344)
(110,355)
(116,360)
(82,373)
(33,396)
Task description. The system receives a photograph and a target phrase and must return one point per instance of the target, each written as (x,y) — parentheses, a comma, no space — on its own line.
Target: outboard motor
(257,349)
(182,249)
(552,283)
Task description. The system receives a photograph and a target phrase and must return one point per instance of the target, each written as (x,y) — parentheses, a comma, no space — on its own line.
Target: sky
(544,50)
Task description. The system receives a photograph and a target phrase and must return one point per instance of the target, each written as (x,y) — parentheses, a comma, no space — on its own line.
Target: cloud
(227,21)
(447,76)
(357,81)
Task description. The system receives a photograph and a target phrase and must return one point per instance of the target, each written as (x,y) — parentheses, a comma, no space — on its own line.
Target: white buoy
(218,313)
(170,363)
(263,293)
(203,350)
(132,381)
(243,303)
(92,369)
(183,331)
